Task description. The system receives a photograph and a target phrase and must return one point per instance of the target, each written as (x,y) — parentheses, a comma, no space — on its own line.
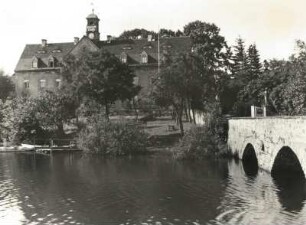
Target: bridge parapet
(268,136)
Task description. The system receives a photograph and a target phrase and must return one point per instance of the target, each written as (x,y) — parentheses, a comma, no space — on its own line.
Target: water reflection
(261,200)
(72,189)
(291,191)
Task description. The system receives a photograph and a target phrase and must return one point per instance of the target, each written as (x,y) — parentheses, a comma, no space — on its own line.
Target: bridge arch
(286,163)
(249,160)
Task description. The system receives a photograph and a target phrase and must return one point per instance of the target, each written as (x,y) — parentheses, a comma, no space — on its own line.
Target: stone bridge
(273,142)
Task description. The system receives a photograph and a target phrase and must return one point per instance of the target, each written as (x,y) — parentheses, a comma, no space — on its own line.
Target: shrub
(112,138)
(200,142)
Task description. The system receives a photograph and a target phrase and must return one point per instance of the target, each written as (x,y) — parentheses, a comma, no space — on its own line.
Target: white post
(253,111)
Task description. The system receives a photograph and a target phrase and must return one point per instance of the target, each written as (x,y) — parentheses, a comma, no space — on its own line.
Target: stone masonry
(268,136)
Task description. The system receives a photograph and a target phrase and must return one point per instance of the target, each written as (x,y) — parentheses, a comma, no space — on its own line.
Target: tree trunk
(134,106)
(179,113)
(186,113)
(60,130)
(189,109)
(180,121)
(193,116)
(106,111)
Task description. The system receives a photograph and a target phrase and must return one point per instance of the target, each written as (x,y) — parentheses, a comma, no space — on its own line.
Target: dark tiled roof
(132,48)
(57,50)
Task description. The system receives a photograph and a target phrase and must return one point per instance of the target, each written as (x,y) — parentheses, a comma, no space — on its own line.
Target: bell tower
(92,28)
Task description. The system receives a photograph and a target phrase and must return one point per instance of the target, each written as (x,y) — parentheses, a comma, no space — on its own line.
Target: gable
(85,44)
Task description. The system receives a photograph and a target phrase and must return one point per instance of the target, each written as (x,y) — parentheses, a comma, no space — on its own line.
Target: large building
(39,67)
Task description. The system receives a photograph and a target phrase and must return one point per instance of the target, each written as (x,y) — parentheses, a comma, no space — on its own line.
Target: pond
(153,189)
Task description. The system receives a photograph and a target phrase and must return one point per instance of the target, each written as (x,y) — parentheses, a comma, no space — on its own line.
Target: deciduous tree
(6,86)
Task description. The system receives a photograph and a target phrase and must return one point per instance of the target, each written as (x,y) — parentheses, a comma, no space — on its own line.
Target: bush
(112,138)
(200,142)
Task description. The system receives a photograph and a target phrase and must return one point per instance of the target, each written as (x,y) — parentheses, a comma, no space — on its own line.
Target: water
(73,189)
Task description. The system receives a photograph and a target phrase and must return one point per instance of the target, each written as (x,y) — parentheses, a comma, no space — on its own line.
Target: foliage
(135,33)
(200,142)
(240,59)
(100,77)
(178,82)
(209,45)
(20,121)
(284,81)
(26,119)
(167,33)
(6,86)
(112,138)
(241,90)
(254,62)
(53,109)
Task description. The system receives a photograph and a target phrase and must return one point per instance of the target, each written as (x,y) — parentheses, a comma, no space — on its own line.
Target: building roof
(132,48)
(92,16)
(57,50)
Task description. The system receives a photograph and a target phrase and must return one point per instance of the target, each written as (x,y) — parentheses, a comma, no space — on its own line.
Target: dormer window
(41,52)
(35,62)
(127,48)
(147,46)
(167,46)
(123,57)
(51,61)
(56,51)
(144,58)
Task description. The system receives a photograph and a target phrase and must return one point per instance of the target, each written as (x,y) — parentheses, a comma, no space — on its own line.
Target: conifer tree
(240,58)
(254,62)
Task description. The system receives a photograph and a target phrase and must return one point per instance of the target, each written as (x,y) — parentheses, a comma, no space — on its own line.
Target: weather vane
(92,5)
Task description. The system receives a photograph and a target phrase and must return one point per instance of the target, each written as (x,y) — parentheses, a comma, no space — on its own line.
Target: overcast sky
(273,25)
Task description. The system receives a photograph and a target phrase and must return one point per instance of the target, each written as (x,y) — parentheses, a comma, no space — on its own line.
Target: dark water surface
(73,189)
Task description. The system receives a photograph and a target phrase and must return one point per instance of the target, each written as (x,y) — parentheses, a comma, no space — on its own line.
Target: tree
(212,54)
(100,76)
(240,58)
(171,89)
(6,86)
(209,45)
(26,119)
(166,33)
(254,62)
(179,33)
(54,109)
(135,33)
(180,86)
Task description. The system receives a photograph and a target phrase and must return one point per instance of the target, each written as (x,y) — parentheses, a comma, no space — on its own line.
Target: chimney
(150,37)
(109,38)
(44,42)
(76,40)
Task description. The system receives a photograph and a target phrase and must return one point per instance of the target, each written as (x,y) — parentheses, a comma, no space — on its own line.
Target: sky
(273,25)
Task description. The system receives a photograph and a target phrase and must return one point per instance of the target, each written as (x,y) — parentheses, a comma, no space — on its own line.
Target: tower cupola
(92,28)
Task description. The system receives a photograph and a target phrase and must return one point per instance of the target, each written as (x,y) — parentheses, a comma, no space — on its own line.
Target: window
(127,48)
(56,51)
(26,84)
(58,83)
(123,57)
(136,80)
(35,62)
(51,61)
(41,52)
(144,58)
(147,46)
(42,84)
